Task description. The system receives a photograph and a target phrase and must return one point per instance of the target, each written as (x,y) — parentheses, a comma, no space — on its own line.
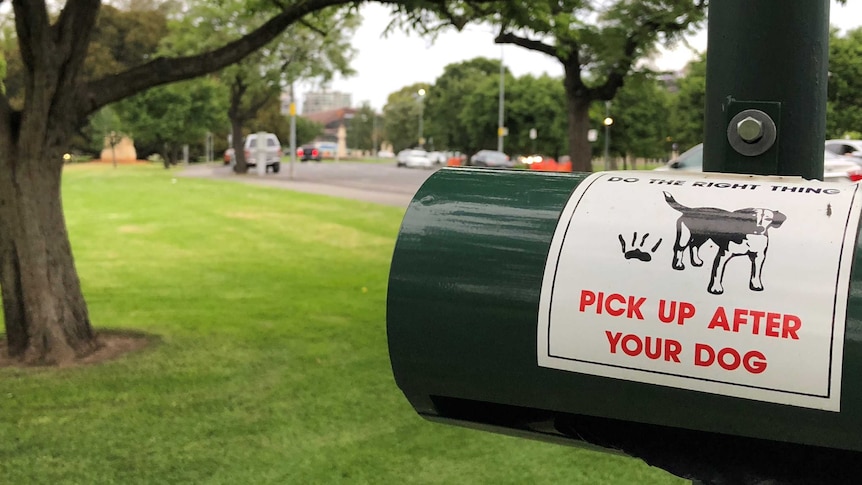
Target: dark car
(309,153)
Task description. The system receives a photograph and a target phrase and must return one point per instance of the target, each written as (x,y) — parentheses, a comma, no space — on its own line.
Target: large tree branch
(31,18)
(422,14)
(77,18)
(102,92)
(162,70)
(313,28)
(72,34)
(6,134)
(634,41)
(531,44)
(618,72)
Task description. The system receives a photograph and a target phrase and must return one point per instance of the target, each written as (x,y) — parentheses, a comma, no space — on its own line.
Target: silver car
(835,167)
(413,158)
(491,158)
(850,149)
(271,150)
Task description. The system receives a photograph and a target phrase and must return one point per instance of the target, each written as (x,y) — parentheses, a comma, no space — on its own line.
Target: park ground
(267,359)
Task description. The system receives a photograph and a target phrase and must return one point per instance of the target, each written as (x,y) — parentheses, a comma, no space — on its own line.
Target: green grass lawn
(271,364)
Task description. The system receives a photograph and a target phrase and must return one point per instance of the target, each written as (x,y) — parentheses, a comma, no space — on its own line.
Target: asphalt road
(371,182)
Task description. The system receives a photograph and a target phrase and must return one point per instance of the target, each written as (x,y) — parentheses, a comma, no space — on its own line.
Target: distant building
(670,79)
(335,123)
(331,121)
(315,102)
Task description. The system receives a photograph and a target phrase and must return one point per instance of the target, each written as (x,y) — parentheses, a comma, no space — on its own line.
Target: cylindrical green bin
(462,311)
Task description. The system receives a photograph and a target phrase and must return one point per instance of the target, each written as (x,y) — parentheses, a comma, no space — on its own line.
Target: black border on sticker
(734,384)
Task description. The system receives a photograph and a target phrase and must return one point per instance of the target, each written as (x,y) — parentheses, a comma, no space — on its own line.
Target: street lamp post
(501,114)
(421,94)
(292,111)
(607,122)
(374,134)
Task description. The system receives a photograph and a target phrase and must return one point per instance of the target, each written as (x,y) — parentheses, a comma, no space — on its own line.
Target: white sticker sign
(726,284)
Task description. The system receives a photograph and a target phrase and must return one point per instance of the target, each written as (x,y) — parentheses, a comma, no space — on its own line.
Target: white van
(270,144)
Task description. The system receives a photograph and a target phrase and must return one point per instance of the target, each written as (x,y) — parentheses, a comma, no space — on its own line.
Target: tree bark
(578,114)
(46,316)
(240,163)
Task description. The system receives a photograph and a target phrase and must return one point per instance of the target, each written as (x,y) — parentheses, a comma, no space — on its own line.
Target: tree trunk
(46,316)
(579,125)
(240,163)
(578,114)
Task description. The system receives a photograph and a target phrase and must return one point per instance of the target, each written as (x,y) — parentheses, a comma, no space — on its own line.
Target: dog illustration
(737,233)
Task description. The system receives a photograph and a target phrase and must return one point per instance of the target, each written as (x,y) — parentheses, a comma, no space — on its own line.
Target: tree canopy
(688,110)
(402,114)
(461,107)
(165,118)
(445,101)
(844,92)
(45,312)
(318,47)
(598,44)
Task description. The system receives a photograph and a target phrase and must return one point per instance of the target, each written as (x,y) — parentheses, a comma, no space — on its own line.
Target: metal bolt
(750,129)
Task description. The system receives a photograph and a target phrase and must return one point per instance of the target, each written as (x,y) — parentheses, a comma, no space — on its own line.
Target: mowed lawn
(271,361)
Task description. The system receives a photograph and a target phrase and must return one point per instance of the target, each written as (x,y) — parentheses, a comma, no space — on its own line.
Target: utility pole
(421,137)
(292,130)
(501,128)
(608,121)
(374,134)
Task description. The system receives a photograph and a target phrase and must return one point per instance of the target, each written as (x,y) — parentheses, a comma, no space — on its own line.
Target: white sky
(385,65)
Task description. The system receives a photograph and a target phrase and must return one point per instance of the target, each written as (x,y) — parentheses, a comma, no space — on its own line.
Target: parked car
(270,145)
(385,154)
(839,168)
(836,168)
(328,149)
(438,158)
(228,156)
(690,160)
(851,149)
(413,157)
(491,158)
(308,153)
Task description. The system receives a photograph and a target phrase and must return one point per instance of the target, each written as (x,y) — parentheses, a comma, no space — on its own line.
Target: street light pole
(501,114)
(292,130)
(421,117)
(374,134)
(607,122)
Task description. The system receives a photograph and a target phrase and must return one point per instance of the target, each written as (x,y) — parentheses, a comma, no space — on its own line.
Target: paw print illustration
(637,251)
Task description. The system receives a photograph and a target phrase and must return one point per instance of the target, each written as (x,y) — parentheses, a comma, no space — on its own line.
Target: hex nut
(750,129)
(751,132)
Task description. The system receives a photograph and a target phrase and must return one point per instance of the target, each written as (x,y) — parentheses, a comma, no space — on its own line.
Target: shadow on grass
(112,344)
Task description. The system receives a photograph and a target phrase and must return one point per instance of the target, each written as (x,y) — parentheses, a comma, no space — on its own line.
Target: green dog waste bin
(696,321)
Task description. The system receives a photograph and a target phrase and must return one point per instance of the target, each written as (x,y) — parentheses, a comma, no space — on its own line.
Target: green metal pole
(767,64)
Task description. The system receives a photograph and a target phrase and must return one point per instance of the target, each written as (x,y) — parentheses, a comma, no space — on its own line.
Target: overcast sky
(385,65)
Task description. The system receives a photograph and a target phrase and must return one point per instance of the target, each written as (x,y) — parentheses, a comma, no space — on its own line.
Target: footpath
(282,181)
